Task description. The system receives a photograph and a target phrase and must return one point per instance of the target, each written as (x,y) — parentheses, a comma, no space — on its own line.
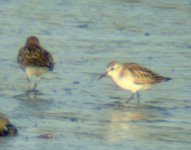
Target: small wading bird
(132,76)
(34,59)
(6,127)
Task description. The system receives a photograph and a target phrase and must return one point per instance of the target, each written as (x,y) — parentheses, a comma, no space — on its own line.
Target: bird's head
(112,69)
(32,40)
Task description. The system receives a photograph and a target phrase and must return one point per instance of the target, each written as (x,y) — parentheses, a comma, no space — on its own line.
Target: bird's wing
(142,75)
(35,56)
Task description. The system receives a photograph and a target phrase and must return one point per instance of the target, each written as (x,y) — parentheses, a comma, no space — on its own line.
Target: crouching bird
(6,127)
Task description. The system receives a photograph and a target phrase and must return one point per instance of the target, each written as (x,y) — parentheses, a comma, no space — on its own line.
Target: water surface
(83,36)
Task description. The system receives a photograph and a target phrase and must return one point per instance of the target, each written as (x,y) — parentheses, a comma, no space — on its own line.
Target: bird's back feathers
(34,55)
(141,74)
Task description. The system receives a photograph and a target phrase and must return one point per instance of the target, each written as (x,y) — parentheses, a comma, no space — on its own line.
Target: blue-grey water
(73,105)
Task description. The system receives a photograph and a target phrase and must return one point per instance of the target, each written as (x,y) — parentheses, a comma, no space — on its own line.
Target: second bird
(34,59)
(132,76)
(6,127)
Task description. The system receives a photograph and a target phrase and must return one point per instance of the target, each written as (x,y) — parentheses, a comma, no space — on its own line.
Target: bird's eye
(112,68)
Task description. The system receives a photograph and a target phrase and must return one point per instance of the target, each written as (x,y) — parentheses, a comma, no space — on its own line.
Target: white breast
(35,70)
(127,83)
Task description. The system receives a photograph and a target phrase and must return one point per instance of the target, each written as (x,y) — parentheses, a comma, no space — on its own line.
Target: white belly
(128,84)
(35,70)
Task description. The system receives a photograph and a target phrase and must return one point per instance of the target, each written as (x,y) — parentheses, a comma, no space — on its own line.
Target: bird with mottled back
(34,55)
(34,59)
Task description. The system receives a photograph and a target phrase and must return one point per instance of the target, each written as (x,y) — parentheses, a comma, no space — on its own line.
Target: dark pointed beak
(103,75)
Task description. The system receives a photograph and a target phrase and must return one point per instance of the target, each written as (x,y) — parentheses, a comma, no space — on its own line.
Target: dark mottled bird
(132,76)
(6,127)
(34,59)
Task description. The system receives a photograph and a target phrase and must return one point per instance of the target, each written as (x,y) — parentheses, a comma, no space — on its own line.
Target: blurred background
(83,37)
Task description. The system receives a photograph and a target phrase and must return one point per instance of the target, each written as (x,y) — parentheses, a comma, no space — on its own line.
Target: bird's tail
(167,79)
(51,66)
(160,79)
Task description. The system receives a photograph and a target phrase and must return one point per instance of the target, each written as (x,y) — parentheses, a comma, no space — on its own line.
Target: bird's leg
(138,97)
(28,80)
(131,97)
(28,91)
(35,84)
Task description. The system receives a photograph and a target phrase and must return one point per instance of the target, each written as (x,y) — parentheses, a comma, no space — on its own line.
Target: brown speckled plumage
(6,127)
(34,59)
(32,54)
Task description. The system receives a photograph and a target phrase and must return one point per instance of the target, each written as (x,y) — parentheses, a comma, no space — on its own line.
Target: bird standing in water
(132,76)
(34,59)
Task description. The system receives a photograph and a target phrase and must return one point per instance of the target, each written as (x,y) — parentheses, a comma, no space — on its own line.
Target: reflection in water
(32,101)
(120,125)
(82,44)
(29,95)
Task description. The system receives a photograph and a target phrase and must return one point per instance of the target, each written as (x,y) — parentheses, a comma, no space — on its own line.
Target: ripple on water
(80,111)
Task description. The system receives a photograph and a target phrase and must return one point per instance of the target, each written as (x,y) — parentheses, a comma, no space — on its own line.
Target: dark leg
(138,97)
(28,91)
(28,83)
(131,97)
(36,82)
(35,85)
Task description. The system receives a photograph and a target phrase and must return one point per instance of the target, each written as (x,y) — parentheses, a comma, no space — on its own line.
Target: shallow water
(72,104)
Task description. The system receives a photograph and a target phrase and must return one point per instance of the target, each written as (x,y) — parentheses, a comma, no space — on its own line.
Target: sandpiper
(132,76)
(34,59)
(6,127)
